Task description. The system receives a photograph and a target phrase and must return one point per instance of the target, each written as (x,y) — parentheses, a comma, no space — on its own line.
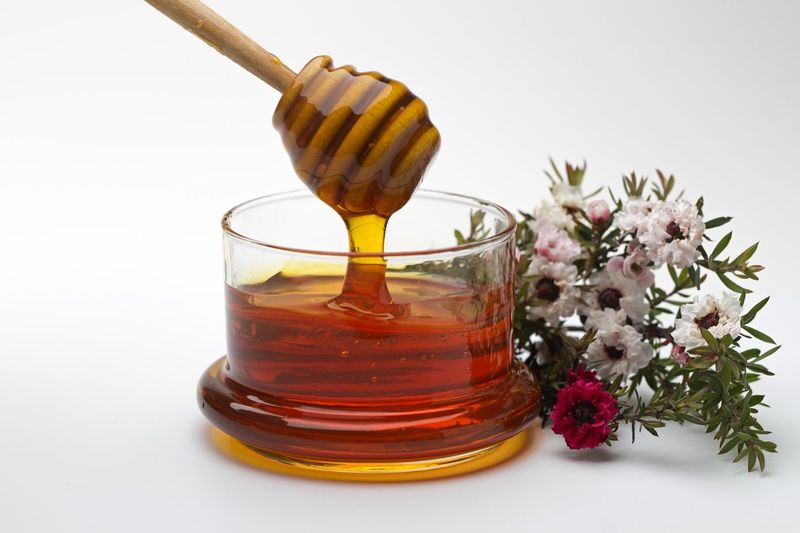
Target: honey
(304,380)
(361,142)
(372,369)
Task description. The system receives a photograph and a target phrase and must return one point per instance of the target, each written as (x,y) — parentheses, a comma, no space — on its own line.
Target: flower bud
(598,212)
(679,354)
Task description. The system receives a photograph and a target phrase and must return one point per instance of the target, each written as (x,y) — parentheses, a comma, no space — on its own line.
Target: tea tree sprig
(662,354)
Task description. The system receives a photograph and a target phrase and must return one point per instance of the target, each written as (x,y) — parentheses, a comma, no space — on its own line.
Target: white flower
(567,196)
(618,350)
(719,317)
(672,232)
(615,291)
(633,215)
(556,244)
(551,214)
(555,290)
(602,319)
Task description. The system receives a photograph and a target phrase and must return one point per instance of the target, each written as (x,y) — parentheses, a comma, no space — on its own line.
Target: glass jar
(423,379)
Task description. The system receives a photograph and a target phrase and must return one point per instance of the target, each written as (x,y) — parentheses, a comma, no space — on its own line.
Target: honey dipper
(360,141)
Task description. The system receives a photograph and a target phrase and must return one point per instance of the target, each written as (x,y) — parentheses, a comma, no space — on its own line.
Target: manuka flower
(582,414)
(618,349)
(634,265)
(570,197)
(612,290)
(719,317)
(550,214)
(633,215)
(556,245)
(554,292)
(671,233)
(581,373)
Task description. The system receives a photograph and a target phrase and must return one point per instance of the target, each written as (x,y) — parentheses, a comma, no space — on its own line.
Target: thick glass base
(374,435)
(373,472)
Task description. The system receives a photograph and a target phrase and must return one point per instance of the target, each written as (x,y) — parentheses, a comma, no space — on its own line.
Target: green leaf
(758,335)
(751,460)
(731,285)
(728,447)
(716,222)
(741,455)
(695,274)
(744,256)
(673,274)
(751,314)
(767,353)
(709,338)
(721,245)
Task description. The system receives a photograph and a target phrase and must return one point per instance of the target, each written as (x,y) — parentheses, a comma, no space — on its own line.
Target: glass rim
(500,236)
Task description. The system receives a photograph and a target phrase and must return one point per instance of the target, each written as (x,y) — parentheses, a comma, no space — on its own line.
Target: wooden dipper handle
(217,32)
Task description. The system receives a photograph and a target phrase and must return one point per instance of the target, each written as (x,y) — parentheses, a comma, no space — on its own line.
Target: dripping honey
(361,142)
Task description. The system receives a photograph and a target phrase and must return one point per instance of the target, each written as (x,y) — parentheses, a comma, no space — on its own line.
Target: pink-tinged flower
(634,266)
(598,212)
(556,245)
(582,414)
(679,354)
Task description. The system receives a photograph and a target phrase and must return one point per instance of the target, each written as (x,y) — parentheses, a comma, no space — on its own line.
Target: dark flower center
(674,231)
(546,289)
(609,298)
(708,321)
(614,353)
(583,412)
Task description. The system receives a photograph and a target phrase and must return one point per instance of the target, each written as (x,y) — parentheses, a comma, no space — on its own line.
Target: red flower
(581,374)
(583,412)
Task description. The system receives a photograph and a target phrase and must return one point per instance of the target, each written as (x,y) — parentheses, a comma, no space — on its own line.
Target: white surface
(123,139)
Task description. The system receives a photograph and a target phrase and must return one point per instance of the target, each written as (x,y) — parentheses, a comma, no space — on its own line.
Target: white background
(123,139)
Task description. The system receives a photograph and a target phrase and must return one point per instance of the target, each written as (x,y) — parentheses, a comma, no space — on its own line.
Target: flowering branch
(598,331)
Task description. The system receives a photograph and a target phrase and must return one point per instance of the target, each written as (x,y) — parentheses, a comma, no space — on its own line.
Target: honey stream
(361,142)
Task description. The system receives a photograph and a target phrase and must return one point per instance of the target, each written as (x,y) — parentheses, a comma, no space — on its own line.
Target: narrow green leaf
(721,245)
(731,285)
(751,314)
(709,338)
(716,222)
(744,256)
(673,274)
(758,335)
(741,455)
(728,447)
(751,460)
